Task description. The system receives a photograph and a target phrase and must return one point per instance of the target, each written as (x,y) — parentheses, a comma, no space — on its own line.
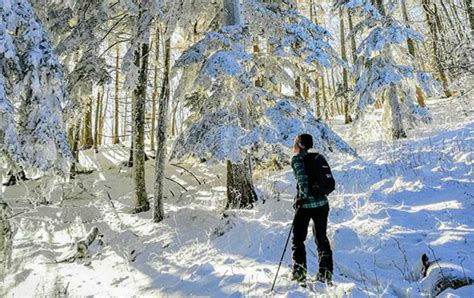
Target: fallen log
(439,276)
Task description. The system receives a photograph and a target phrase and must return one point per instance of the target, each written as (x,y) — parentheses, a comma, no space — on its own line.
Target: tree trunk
(256,51)
(353,42)
(161,135)
(392,105)
(154,94)
(333,81)
(75,145)
(70,134)
(103,114)
(124,117)
(345,83)
(88,140)
(96,122)
(394,114)
(431,21)
(411,50)
(138,136)
(240,188)
(325,100)
(305,91)
(115,134)
(298,87)
(173,119)
(317,98)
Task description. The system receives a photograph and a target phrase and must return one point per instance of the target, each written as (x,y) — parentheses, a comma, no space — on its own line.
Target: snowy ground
(399,200)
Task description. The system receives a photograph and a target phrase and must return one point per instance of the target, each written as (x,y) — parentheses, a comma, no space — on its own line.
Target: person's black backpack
(321,181)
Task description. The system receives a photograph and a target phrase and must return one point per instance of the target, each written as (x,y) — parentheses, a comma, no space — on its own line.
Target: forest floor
(397,201)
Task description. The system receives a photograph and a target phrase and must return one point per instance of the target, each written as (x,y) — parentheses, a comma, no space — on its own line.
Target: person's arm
(297,164)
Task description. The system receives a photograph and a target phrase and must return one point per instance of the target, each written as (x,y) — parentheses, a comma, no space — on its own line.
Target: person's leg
(320,220)
(300,231)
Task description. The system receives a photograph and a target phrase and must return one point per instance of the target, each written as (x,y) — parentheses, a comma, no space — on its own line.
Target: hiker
(311,203)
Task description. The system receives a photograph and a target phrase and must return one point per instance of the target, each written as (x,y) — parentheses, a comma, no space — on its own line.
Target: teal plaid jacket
(302,184)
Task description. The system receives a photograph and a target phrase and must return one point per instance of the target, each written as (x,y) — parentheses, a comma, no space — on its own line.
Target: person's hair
(304,141)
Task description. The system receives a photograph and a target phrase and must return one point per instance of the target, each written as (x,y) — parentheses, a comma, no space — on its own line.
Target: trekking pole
(284,249)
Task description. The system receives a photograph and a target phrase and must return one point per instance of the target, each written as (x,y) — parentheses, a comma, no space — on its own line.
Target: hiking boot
(325,277)
(299,275)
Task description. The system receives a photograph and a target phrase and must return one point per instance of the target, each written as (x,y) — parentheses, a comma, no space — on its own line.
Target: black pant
(300,230)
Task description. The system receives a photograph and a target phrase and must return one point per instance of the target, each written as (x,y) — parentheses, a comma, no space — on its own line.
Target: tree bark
(88,140)
(173,119)
(96,122)
(325,100)
(333,81)
(75,145)
(103,114)
(161,135)
(115,134)
(298,87)
(240,190)
(124,117)
(353,42)
(154,94)
(305,91)
(345,83)
(317,98)
(393,104)
(138,136)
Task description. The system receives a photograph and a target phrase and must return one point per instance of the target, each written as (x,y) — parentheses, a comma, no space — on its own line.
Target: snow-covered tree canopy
(219,135)
(170,16)
(231,114)
(32,91)
(79,29)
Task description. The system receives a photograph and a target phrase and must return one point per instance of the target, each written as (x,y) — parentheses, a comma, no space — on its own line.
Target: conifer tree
(31,82)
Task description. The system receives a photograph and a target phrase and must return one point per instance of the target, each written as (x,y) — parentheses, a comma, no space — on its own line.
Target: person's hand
(298,203)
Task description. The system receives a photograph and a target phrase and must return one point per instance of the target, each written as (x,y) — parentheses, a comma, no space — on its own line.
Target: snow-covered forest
(145,145)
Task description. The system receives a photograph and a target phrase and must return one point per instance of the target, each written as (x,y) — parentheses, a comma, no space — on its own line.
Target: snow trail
(399,200)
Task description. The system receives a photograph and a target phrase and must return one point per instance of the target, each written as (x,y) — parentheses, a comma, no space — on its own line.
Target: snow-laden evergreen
(232,114)
(378,70)
(78,30)
(31,93)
